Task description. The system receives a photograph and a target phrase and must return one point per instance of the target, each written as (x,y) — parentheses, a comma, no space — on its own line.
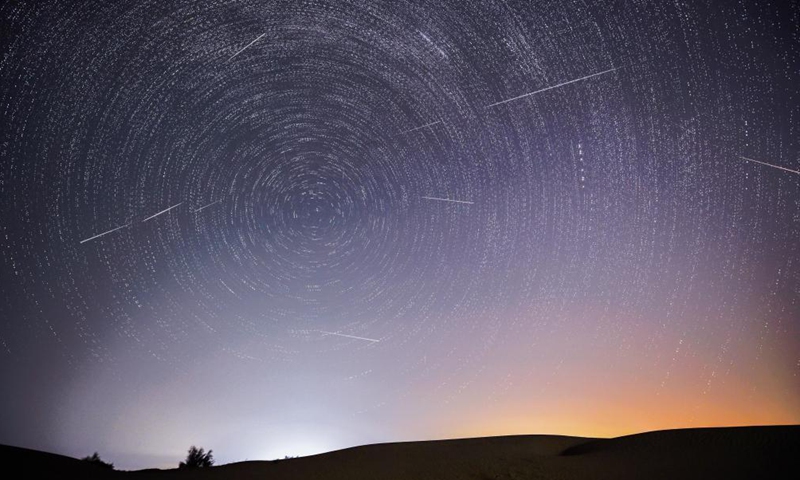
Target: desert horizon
(124,461)
(707,453)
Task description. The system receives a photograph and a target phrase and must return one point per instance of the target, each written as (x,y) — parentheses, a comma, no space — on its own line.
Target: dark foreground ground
(704,453)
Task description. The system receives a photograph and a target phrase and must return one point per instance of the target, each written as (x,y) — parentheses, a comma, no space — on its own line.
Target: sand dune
(36,464)
(705,453)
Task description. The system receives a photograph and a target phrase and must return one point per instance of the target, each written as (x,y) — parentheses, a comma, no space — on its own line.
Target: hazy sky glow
(278,228)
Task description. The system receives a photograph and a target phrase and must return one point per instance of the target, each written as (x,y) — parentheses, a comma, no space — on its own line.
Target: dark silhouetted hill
(701,453)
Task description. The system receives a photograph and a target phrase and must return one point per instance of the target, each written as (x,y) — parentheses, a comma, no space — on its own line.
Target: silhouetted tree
(95,459)
(197,458)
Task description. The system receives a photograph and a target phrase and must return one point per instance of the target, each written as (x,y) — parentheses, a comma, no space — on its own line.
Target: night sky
(284,227)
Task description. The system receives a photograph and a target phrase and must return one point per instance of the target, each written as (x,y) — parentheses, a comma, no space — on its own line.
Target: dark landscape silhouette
(698,453)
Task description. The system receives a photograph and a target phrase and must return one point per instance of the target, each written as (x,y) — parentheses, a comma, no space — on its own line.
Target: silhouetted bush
(95,459)
(197,458)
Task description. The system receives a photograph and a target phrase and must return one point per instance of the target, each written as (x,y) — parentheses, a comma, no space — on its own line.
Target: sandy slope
(24,463)
(708,453)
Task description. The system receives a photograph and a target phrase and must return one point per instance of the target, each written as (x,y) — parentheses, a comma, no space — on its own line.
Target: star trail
(283,227)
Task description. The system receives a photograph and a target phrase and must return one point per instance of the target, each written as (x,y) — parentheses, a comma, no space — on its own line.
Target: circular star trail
(325,223)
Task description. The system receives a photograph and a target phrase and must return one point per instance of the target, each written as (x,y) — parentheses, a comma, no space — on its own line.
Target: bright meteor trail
(245,47)
(349,336)
(206,206)
(551,88)
(421,127)
(449,200)
(162,212)
(105,233)
(771,165)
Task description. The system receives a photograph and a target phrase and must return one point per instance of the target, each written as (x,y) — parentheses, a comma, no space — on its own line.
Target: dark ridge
(699,453)
(36,464)
(768,452)
(780,439)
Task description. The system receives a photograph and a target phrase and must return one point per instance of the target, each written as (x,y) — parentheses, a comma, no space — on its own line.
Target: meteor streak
(770,165)
(104,233)
(162,211)
(245,48)
(550,88)
(206,206)
(420,128)
(449,200)
(349,336)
